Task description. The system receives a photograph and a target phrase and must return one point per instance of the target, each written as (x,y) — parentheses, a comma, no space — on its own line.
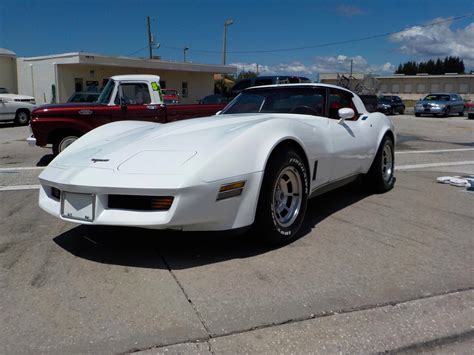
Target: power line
(386,34)
(137,51)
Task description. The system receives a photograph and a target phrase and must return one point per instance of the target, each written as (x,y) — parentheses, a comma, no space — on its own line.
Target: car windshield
(104,97)
(436,97)
(308,100)
(385,100)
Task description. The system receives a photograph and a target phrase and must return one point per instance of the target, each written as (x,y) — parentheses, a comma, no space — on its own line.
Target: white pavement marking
(434,151)
(23,168)
(433,165)
(19,187)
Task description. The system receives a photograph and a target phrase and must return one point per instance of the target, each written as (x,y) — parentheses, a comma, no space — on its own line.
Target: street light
(185,49)
(227,23)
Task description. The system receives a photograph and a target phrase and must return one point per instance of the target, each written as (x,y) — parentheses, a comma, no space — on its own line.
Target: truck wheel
(22,118)
(461,113)
(62,143)
(283,198)
(417,114)
(380,177)
(470,116)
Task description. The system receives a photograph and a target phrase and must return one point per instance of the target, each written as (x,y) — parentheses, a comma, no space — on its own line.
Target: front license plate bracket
(78,206)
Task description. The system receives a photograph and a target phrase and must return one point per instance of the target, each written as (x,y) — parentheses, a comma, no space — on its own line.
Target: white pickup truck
(16,108)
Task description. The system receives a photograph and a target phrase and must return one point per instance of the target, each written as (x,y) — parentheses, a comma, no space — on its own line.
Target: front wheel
(461,113)
(283,198)
(447,112)
(62,143)
(381,177)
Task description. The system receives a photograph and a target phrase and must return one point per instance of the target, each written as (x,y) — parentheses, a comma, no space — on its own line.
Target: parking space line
(23,168)
(433,165)
(19,187)
(434,151)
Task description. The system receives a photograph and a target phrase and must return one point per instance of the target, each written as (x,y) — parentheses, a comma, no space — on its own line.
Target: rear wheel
(417,115)
(402,111)
(283,198)
(63,142)
(381,177)
(22,118)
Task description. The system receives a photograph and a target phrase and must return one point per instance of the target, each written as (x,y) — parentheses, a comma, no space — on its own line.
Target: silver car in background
(440,104)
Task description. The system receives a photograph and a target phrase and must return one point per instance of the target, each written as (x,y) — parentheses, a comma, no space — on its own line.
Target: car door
(7,110)
(350,146)
(133,102)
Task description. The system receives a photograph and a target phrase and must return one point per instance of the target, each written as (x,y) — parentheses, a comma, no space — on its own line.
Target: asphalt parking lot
(372,273)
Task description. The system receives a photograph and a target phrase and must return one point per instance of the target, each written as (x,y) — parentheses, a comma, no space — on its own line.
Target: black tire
(417,114)
(271,205)
(63,142)
(461,113)
(392,111)
(22,117)
(470,116)
(379,178)
(402,111)
(447,112)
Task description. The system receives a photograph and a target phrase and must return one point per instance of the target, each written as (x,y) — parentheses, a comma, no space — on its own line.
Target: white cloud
(438,41)
(330,64)
(348,10)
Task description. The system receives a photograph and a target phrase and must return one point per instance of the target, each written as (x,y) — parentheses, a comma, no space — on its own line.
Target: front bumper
(194,207)
(430,110)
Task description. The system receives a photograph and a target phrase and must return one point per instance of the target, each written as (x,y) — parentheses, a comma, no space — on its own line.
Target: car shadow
(45,160)
(137,247)
(7,124)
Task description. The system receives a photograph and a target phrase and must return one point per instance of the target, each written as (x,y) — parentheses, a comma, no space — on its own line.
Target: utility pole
(351,67)
(150,41)
(224,49)
(185,49)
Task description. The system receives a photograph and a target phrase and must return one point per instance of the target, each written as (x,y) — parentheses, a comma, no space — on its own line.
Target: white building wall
(199,84)
(8,73)
(36,79)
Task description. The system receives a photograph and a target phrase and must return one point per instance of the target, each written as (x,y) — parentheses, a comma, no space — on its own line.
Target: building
(414,87)
(8,78)
(54,78)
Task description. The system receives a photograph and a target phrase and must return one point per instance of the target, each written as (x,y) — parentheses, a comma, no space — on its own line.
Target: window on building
(78,84)
(184,89)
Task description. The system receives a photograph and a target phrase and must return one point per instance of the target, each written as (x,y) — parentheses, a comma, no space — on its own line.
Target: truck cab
(125,97)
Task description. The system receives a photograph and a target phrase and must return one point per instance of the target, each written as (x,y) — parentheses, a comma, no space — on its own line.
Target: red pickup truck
(125,97)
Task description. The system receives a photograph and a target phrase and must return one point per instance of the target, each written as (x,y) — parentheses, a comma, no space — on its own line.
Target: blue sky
(32,28)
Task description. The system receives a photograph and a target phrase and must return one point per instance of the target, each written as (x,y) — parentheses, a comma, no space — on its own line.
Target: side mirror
(345,113)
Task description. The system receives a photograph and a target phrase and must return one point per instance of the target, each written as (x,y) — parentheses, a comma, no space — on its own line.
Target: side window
(163,84)
(134,94)
(339,99)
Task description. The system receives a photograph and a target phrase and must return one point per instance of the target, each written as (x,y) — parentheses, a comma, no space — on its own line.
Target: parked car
(16,108)
(265,80)
(257,163)
(214,99)
(84,96)
(170,96)
(470,110)
(440,104)
(390,105)
(125,97)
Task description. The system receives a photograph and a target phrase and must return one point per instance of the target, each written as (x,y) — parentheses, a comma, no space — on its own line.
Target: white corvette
(256,163)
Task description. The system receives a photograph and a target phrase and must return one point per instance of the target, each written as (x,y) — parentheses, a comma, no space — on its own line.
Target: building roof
(7,53)
(131,62)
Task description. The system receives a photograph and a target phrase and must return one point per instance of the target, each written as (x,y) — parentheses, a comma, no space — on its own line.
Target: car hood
(172,148)
(433,102)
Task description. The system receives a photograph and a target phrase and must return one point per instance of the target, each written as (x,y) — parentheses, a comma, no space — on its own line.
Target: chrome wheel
(287,197)
(66,142)
(387,163)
